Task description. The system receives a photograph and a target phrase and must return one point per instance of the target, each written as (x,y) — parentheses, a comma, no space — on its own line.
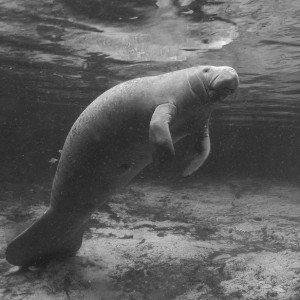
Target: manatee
(121,132)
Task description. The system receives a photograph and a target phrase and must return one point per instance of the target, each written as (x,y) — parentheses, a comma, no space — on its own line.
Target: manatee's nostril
(231,70)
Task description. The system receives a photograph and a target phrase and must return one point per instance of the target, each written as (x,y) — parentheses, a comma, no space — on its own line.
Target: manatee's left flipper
(200,150)
(160,136)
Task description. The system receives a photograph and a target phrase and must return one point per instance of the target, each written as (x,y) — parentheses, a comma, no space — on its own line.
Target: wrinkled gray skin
(116,137)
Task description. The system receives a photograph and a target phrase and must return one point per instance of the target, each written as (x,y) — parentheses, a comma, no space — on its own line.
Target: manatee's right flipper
(56,233)
(160,136)
(199,151)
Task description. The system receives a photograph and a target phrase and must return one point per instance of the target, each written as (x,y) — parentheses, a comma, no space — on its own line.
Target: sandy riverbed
(234,239)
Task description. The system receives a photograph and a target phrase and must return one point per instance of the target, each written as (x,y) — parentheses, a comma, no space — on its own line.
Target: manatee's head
(220,82)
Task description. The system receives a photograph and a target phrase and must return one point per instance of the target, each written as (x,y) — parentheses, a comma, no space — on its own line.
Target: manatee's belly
(122,165)
(92,173)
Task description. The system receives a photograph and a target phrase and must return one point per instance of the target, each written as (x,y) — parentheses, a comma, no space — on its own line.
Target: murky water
(57,56)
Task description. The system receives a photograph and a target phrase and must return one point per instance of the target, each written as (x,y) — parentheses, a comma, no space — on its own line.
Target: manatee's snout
(225,78)
(223,82)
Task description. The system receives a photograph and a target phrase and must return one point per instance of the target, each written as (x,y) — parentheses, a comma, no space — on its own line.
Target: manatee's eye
(206,70)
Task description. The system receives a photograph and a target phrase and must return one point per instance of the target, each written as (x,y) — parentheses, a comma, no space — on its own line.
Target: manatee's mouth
(220,95)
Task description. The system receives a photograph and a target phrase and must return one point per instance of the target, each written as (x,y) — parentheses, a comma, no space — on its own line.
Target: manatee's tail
(55,233)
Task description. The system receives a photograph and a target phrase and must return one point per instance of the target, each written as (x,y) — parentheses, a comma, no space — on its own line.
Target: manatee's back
(111,124)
